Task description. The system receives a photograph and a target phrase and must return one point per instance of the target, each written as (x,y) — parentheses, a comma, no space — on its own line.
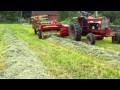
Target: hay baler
(47,25)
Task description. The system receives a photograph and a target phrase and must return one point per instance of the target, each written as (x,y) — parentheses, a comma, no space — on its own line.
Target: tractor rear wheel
(40,34)
(75,31)
(35,31)
(116,38)
(91,39)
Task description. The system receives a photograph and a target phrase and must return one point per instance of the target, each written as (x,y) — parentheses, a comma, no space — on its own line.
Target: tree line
(114,16)
(14,15)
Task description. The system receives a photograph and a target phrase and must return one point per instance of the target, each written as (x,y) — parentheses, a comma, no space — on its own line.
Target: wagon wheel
(43,35)
(58,34)
(40,34)
(75,31)
(35,31)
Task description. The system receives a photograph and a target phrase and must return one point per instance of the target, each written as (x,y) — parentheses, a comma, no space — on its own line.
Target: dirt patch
(20,61)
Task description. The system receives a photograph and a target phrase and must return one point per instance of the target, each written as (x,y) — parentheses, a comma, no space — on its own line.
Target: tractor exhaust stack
(96,13)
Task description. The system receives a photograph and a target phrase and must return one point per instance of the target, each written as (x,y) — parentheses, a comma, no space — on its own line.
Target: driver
(84,13)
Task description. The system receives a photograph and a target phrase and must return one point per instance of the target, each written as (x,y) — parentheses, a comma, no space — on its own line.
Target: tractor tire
(91,39)
(40,34)
(75,31)
(116,38)
(35,31)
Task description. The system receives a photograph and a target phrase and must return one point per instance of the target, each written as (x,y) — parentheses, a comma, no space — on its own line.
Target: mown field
(66,59)
(2,63)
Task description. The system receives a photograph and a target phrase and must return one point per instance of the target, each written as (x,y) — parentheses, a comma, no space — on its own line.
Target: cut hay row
(20,61)
(97,51)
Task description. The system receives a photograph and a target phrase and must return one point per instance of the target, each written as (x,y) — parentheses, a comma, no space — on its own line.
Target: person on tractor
(85,19)
(84,13)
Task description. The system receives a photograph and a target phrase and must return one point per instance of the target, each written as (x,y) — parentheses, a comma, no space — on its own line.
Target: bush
(116,21)
(7,22)
(23,20)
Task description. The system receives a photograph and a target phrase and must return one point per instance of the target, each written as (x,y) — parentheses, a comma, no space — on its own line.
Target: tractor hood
(91,17)
(65,25)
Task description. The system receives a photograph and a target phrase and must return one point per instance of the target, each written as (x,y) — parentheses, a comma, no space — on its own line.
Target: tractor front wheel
(116,38)
(91,39)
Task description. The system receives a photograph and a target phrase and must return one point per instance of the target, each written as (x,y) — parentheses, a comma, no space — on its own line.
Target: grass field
(64,61)
(105,43)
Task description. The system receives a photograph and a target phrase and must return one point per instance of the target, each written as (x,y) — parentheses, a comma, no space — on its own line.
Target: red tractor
(95,28)
(46,23)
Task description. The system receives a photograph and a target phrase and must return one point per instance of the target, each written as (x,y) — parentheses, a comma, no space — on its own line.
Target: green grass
(64,61)
(105,43)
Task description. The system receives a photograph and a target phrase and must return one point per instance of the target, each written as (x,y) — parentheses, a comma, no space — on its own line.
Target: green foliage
(67,15)
(23,20)
(117,21)
(64,16)
(13,15)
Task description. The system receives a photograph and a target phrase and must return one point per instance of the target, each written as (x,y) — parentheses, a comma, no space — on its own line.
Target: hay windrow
(20,61)
(90,49)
